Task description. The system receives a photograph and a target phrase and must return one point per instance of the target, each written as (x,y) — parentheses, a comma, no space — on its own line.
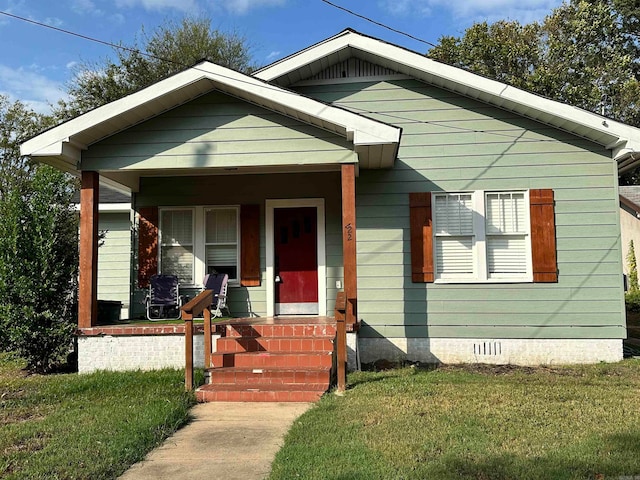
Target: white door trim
(270,206)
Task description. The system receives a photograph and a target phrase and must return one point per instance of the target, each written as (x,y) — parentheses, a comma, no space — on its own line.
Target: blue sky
(36,62)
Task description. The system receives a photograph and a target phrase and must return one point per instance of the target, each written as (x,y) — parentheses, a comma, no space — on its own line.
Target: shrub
(633,268)
(38,268)
(632,301)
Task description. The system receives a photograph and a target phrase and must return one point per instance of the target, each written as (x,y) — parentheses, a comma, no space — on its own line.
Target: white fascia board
(455,79)
(52,139)
(50,143)
(365,130)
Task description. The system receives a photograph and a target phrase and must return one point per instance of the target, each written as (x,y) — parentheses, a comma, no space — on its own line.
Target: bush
(38,268)
(632,301)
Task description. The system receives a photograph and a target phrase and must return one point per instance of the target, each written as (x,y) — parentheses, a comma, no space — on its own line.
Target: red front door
(296,261)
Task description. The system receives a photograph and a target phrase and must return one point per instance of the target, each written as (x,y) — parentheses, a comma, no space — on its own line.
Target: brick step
(271,376)
(274,344)
(260,393)
(270,330)
(269,359)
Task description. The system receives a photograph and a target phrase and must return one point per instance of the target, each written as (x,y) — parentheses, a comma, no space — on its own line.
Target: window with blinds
(454,235)
(506,234)
(176,244)
(221,241)
(480,236)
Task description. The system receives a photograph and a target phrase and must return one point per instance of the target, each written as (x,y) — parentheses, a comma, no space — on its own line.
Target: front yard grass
(84,426)
(472,422)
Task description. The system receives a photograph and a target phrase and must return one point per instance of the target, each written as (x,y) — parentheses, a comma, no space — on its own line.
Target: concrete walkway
(223,441)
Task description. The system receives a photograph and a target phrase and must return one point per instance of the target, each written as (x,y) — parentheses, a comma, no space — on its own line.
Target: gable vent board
(352,68)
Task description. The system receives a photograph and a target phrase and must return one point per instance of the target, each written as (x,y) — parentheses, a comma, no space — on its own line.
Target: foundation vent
(492,349)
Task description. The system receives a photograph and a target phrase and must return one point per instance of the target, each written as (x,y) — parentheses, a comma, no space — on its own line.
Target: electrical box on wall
(338,284)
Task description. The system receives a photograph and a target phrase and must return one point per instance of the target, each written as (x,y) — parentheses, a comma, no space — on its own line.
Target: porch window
(482,236)
(221,241)
(176,244)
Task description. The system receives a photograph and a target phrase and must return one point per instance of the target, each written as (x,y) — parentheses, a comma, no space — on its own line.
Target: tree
(505,51)
(38,267)
(169,49)
(586,53)
(17,124)
(633,269)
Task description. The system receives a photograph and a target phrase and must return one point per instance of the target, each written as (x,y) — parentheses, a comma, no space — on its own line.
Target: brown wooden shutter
(147,244)
(421,237)
(250,245)
(543,236)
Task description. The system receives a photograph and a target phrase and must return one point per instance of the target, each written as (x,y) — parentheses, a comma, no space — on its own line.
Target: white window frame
(236,208)
(161,243)
(199,244)
(480,272)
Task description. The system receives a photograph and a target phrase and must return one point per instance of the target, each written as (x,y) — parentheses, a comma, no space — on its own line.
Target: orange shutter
(250,245)
(421,237)
(147,244)
(543,236)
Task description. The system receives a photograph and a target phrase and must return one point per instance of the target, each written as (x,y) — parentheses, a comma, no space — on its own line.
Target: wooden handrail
(341,339)
(200,304)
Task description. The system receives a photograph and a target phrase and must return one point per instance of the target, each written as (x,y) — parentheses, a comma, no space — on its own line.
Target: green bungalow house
(465,220)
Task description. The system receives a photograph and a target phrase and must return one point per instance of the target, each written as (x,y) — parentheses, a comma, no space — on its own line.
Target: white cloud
(53,21)
(273,55)
(160,5)
(30,87)
(406,7)
(474,10)
(240,7)
(71,65)
(83,6)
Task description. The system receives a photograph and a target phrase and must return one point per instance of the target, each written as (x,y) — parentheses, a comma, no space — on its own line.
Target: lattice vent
(353,68)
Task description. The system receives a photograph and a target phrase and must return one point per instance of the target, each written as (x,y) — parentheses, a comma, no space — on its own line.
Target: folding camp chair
(218,282)
(163,300)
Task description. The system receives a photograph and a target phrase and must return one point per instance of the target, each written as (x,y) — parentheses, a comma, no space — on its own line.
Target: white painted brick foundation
(137,352)
(496,351)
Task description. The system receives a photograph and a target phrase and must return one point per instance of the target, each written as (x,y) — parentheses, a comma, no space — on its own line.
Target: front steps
(279,362)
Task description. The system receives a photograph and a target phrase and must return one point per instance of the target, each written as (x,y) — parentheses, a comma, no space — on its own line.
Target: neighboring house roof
(375,142)
(630,197)
(109,199)
(623,140)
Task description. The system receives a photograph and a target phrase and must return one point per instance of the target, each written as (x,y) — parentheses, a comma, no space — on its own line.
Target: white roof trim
(65,141)
(588,125)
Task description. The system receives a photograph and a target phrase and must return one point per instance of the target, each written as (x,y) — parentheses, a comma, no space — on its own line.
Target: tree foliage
(17,124)
(632,263)
(169,49)
(38,268)
(585,53)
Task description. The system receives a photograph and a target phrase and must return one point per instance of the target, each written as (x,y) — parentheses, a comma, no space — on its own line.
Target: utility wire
(355,14)
(262,84)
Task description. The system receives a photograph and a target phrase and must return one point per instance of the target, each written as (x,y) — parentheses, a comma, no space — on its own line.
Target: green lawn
(472,422)
(84,426)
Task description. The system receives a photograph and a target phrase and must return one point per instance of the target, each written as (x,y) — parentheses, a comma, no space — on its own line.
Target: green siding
(254,189)
(452,143)
(114,257)
(217,130)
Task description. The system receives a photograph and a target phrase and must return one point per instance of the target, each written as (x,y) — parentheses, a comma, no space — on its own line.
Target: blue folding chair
(163,300)
(218,282)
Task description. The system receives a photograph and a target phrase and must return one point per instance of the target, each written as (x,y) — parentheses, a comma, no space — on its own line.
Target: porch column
(349,240)
(88,288)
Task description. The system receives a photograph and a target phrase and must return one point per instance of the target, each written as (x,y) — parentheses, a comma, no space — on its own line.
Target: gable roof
(375,142)
(623,140)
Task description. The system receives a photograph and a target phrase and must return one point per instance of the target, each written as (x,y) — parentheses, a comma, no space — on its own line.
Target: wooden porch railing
(200,304)
(341,339)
